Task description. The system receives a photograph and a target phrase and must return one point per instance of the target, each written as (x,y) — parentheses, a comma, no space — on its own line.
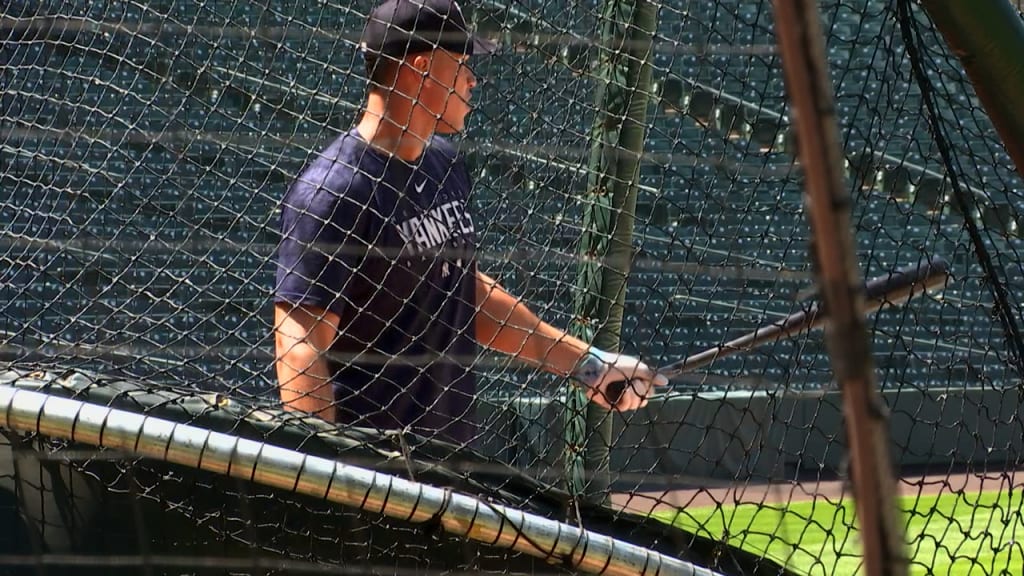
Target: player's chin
(452,124)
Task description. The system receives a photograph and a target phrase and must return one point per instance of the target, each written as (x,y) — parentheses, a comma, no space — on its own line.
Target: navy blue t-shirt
(389,246)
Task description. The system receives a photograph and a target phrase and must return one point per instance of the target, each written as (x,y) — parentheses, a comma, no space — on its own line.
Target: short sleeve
(324,238)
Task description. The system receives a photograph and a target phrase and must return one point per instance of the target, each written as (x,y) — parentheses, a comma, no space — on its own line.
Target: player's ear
(420,63)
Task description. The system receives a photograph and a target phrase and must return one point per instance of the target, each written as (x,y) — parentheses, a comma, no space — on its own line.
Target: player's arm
(302,336)
(322,233)
(506,324)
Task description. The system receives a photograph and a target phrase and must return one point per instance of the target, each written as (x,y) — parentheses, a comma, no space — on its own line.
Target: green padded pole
(622,73)
(988,38)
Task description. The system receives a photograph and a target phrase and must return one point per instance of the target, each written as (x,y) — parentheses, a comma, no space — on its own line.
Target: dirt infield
(832,490)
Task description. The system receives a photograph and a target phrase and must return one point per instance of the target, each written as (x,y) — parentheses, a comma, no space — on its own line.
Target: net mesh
(85,508)
(147,148)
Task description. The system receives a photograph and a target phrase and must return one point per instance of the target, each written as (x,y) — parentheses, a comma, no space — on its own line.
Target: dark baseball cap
(400,27)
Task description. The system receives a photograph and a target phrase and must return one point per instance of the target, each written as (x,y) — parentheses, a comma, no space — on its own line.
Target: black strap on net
(1005,308)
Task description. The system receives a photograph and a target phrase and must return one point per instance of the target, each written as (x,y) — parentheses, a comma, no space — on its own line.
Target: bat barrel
(906,282)
(893,288)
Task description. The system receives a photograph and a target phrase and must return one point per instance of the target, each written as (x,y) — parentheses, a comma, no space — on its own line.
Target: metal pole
(462,515)
(801,44)
(988,38)
(623,78)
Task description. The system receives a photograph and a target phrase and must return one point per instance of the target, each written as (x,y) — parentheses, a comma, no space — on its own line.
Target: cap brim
(482,46)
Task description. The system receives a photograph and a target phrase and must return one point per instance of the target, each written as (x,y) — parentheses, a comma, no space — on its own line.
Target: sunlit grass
(956,534)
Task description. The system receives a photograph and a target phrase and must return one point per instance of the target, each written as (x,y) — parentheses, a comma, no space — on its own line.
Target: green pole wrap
(622,74)
(988,38)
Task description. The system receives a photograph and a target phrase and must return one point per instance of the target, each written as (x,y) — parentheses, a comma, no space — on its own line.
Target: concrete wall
(760,436)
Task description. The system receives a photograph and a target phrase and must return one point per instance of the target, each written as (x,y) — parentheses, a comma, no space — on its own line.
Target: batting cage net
(633,179)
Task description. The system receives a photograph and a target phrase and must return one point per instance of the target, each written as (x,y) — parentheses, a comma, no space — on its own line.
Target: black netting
(101,511)
(146,148)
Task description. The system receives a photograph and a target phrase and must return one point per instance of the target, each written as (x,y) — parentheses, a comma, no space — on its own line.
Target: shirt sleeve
(324,239)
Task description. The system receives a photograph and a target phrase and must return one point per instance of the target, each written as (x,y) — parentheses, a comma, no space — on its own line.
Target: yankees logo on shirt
(431,230)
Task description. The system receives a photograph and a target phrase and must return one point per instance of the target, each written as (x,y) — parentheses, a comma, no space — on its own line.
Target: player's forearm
(554,349)
(305,382)
(505,324)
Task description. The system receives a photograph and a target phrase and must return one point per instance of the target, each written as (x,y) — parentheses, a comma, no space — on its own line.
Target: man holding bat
(379,305)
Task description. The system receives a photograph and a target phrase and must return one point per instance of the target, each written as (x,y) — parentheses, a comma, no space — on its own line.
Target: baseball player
(379,306)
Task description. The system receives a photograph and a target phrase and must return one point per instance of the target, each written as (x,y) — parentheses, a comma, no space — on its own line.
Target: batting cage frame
(805,217)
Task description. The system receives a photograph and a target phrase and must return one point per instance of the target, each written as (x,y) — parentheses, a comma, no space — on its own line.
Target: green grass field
(956,534)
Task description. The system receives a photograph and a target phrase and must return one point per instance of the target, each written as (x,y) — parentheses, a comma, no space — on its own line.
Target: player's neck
(392,126)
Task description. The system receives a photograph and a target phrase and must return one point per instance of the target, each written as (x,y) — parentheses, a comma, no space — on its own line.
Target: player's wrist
(593,366)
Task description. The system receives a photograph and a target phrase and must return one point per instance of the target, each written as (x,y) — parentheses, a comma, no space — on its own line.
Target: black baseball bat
(893,288)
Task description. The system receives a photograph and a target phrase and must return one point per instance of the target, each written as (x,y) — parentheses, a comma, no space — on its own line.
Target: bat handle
(614,391)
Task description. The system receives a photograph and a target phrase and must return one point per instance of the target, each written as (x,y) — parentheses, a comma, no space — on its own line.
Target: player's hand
(605,373)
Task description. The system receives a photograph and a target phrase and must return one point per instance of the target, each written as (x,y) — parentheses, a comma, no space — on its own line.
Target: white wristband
(593,365)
